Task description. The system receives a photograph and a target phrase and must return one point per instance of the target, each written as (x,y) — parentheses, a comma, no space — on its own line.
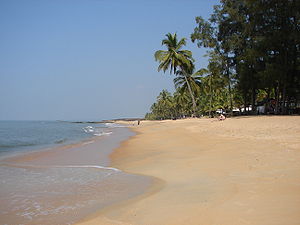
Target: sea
(58,172)
(21,136)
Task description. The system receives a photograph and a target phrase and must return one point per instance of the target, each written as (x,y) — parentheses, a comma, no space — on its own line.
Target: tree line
(253,48)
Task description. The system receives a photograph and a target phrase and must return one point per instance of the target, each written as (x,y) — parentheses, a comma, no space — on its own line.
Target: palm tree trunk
(192,96)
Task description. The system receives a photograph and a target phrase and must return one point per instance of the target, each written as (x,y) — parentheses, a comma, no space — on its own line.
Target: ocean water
(18,136)
(69,176)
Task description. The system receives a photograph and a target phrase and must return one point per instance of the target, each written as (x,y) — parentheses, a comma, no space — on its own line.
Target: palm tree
(190,81)
(175,58)
(181,102)
(165,103)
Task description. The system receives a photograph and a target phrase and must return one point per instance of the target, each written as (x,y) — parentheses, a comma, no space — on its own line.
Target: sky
(89,59)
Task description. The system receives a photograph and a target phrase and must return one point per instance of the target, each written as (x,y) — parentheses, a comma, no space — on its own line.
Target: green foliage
(174,57)
(164,108)
(254,56)
(258,43)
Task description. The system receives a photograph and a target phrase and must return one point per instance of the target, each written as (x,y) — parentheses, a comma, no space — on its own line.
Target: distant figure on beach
(139,122)
(222,117)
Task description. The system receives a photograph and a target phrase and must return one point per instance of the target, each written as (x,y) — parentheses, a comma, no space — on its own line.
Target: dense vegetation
(253,49)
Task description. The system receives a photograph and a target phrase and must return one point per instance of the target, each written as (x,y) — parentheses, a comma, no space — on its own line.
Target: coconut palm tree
(181,102)
(165,104)
(191,82)
(175,58)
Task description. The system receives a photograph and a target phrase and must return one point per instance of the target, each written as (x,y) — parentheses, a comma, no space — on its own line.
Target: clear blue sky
(88,59)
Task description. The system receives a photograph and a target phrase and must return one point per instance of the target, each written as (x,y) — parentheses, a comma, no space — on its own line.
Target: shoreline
(238,171)
(51,151)
(39,151)
(155,186)
(80,168)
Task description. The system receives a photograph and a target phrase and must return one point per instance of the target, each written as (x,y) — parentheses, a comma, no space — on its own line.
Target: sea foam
(89,166)
(96,131)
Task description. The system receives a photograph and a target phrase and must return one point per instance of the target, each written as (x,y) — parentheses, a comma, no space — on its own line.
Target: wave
(95,131)
(103,133)
(88,142)
(56,166)
(89,129)
(89,166)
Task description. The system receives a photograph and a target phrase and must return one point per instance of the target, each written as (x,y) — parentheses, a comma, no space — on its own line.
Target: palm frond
(201,72)
(160,54)
(181,43)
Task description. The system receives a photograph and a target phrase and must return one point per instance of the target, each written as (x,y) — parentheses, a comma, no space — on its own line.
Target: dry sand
(243,170)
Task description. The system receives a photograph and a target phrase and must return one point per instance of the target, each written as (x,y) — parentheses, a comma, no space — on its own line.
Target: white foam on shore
(96,131)
(89,166)
(103,133)
(88,142)
(67,166)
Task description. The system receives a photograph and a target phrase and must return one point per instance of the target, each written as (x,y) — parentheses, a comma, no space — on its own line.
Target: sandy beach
(244,170)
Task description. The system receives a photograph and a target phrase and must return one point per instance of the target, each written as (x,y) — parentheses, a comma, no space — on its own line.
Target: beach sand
(244,170)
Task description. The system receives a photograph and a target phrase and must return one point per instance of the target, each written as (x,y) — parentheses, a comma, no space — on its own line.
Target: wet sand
(243,170)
